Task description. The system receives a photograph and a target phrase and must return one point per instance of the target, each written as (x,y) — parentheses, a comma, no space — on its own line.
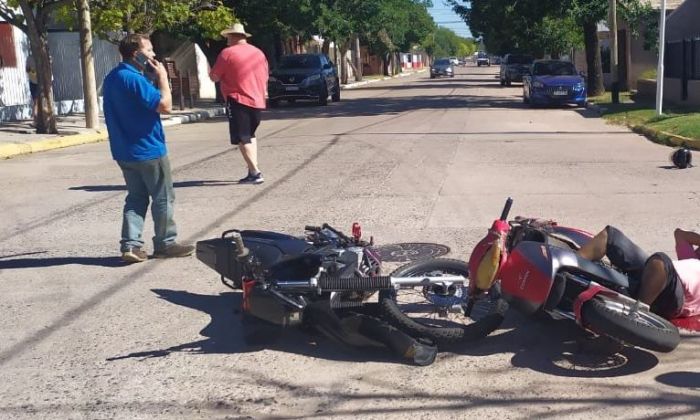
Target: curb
(665,138)
(366,82)
(10,150)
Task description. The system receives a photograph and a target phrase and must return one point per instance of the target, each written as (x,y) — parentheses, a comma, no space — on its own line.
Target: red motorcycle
(532,265)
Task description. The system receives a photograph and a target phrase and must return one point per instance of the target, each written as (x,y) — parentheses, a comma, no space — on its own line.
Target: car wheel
(526,100)
(503,82)
(336,95)
(508,82)
(582,104)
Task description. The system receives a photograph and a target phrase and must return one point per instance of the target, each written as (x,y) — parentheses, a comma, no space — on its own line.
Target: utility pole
(660,68)
(87,64)
(614,65)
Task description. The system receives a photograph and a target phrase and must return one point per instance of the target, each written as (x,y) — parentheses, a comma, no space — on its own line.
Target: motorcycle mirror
(506,209)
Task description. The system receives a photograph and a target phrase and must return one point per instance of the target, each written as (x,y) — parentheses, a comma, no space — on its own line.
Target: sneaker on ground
(134,255)
(246,179)
(175,251)
(253,179)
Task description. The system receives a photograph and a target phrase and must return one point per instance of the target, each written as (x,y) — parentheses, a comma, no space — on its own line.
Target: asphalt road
(413,160)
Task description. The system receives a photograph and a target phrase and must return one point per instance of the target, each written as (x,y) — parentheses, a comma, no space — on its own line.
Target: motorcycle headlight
(311,79)
(537,84)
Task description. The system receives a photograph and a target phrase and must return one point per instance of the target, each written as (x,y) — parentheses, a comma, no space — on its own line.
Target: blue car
(554,82)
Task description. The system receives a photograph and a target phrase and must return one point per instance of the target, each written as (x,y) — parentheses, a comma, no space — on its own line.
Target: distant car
(442,67)
(454,61)
(513,67)
(554,82)
(304,76)
(495,59)
(482,59)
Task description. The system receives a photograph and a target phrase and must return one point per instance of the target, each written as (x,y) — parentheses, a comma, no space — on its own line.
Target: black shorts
(626,256)
(242,121)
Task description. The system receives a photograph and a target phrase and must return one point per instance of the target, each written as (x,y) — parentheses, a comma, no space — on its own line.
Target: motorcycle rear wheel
(410,310)
(608,316)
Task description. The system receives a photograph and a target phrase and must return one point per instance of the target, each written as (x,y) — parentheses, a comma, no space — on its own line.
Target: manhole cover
(411,251)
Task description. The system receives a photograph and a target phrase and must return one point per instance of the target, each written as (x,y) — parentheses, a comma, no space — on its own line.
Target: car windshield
(520,59)
(300,62)
(554,68)
(482,55)
(442,62)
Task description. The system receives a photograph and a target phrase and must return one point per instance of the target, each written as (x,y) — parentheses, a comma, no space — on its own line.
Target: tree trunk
(326,46)
(356,57)
(343,64)
(39,45)
(593,61)
(87,65)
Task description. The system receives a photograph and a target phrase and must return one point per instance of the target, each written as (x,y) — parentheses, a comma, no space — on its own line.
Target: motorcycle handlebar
(506,209)
(312,228)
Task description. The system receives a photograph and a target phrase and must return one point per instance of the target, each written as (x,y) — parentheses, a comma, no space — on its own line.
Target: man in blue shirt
(132,108)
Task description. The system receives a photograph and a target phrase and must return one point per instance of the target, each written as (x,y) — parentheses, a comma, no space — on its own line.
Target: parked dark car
(513,67)
(554,82)
(442,67)
(304,76)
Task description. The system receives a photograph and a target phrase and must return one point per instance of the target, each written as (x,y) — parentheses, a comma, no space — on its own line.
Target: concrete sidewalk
(19,137)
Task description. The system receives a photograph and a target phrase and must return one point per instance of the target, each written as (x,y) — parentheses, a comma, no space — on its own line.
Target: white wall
(14,84)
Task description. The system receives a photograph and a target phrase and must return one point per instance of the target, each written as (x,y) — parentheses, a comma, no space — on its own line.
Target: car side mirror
(327,66)
(582,73)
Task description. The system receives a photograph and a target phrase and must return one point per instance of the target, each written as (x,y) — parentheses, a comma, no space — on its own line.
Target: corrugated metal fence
(64,48)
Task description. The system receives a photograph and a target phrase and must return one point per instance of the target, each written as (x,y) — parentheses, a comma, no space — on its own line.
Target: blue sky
(444,16)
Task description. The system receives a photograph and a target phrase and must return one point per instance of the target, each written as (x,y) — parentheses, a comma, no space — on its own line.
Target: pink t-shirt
(688,269)
(243,71)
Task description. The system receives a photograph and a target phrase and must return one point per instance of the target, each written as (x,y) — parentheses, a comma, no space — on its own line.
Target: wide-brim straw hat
(236,28)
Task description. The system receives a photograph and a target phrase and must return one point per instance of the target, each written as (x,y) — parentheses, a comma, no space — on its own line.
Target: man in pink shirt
(671,288)
(242,70)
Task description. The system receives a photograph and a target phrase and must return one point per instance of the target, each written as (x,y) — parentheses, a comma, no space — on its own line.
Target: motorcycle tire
(646,330)
(445,331)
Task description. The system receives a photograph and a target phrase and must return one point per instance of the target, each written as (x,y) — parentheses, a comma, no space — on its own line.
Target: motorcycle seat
(597,272)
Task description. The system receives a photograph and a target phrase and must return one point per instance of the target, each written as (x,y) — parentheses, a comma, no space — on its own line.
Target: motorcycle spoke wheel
(435,312)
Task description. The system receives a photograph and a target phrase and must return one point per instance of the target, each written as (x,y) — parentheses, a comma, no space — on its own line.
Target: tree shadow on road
(230,332)
(181,184)
(559,348)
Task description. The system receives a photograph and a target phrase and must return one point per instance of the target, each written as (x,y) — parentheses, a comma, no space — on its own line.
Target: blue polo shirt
(130,106)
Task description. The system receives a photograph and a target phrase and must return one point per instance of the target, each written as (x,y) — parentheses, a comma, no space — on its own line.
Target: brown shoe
(175,251)
(134,255)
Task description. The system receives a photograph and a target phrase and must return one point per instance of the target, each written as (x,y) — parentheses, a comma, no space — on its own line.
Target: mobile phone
(142,60)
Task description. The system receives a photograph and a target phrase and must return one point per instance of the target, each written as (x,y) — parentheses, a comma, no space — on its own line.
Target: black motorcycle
(329,280)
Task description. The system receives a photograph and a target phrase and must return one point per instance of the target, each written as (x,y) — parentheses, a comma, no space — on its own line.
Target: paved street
(412,160)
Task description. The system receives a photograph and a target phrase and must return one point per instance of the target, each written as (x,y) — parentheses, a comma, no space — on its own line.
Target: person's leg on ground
(653,280)
(135,207)
(594,249)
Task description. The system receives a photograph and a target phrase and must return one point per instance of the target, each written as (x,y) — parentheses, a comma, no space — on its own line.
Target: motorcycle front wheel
(429,310)
(608,316)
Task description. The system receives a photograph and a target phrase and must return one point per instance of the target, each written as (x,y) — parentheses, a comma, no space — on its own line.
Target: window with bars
(8,57)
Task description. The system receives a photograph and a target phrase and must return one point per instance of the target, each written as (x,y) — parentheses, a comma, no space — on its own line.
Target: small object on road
(682,158)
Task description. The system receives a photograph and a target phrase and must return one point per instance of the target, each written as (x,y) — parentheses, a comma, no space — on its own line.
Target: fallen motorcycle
(282,276)
(536,265)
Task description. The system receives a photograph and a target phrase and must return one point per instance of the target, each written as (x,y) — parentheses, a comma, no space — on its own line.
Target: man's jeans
(144,180)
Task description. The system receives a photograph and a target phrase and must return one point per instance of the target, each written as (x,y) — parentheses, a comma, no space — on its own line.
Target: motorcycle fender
(596,289)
